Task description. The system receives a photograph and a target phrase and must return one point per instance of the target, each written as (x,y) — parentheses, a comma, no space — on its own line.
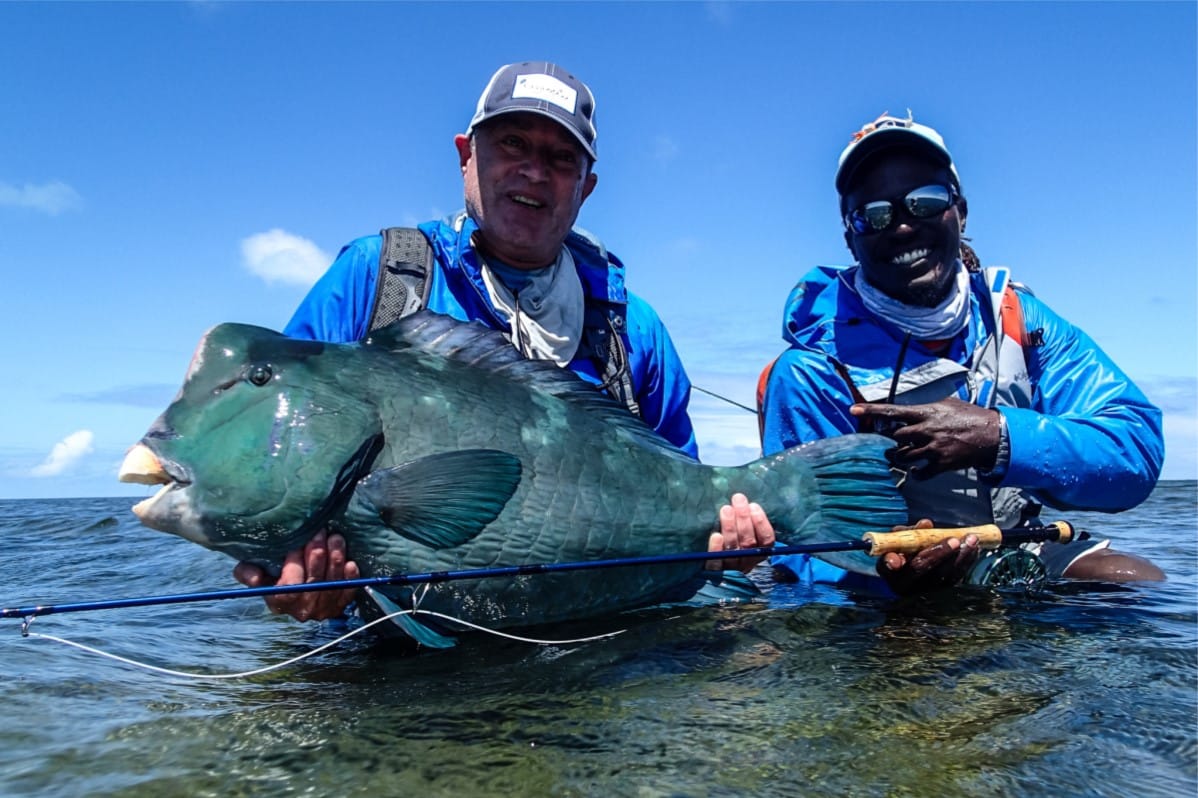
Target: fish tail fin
(834,489)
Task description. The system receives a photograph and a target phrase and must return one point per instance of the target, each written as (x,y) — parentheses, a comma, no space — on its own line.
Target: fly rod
(874,544)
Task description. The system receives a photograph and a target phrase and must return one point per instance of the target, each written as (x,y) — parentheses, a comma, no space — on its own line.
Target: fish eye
(259,375)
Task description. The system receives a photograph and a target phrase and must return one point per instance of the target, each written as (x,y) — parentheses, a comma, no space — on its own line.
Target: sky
(168,166)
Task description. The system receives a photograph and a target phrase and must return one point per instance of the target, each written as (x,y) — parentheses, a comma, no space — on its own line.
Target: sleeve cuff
(1002,460)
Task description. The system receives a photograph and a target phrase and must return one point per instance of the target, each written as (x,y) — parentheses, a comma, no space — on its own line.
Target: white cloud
(65,454)
(414,219)
(279,256)
(52,198)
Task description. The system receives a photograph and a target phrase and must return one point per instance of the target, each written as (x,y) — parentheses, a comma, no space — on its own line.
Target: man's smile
(526,201)
(907,258)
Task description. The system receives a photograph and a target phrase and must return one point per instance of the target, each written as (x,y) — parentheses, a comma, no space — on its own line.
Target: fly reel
(1009,568)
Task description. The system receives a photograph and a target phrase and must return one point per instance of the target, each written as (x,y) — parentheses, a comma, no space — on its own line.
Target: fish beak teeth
(143,507)
(143,467)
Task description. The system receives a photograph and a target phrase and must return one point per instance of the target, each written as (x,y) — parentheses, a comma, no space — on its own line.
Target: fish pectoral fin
(409,625)
(443,500)
(713,589)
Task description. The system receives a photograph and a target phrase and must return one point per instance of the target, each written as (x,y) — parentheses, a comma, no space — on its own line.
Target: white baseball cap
(891,131)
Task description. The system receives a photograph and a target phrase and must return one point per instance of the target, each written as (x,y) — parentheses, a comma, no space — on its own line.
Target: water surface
(1083,690)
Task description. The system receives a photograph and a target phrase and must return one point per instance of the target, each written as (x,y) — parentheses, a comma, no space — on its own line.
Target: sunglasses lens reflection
(921,203)
(878,215)
(927,201)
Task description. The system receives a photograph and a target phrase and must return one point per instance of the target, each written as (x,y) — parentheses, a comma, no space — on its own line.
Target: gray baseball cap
(540,87)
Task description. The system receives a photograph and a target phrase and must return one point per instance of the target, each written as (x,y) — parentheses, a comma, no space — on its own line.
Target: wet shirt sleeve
(1091,439)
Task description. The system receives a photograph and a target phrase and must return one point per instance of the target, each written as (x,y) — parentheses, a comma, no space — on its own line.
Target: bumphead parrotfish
(433,445)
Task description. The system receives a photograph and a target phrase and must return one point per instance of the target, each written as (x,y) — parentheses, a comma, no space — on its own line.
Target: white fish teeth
(144,507)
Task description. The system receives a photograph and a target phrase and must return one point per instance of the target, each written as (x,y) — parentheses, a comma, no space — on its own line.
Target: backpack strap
(1010,308)
(403,285)
(603,343)
(1011,314)
(1013,324)
(762,379)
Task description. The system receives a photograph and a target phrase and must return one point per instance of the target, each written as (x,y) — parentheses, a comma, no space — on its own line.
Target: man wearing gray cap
(513,261)
(995,403)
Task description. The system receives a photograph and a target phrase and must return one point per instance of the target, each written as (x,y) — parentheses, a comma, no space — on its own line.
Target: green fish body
(433,445)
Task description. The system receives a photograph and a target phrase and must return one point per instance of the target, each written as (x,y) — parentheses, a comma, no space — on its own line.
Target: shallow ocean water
(1081,690)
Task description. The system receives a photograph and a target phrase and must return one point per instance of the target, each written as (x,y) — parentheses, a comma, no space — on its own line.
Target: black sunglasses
(922,203)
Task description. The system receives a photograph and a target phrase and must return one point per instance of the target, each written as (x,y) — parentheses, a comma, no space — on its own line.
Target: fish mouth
(142,466)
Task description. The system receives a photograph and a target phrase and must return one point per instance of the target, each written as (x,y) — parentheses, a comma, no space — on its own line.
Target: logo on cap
(546,88)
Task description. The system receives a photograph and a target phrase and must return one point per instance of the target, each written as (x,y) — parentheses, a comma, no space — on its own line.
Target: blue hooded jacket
(1088,440)
(338,309)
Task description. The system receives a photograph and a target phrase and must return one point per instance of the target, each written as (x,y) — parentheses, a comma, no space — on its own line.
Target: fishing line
(725,398)
(307,654)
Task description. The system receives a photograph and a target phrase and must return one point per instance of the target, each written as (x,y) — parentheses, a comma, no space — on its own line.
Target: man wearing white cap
(513,261)
(995,403)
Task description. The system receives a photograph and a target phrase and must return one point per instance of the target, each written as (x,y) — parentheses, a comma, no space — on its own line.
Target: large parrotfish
(434,445)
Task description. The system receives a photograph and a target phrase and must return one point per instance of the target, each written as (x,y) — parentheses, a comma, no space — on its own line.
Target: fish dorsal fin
(443,500)
(481,347)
